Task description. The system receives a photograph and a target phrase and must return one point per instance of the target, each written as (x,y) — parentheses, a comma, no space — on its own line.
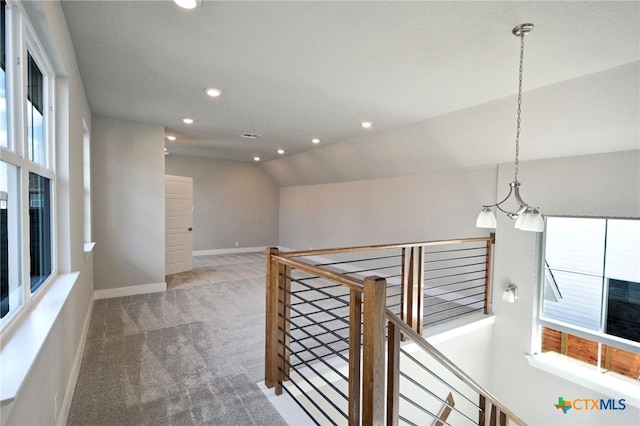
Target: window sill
(608,383)
(21,349)
(88,250)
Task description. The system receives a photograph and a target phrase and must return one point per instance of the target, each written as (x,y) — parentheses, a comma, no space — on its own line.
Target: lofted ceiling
(295,71)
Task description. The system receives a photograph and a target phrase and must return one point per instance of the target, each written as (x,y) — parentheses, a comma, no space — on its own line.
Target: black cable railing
(316,345)
(365,263)
(450,295)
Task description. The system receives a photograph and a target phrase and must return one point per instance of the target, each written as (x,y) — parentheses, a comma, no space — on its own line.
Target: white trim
(229,251)
(129,291)
(607,339)
(610,384)
(22,348)
(63,413)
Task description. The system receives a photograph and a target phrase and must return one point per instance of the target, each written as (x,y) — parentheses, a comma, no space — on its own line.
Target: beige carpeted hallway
(190,355)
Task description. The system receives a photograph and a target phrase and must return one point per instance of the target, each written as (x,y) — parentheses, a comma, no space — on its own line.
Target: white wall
(596,185)
(431,206)
(128,203)
(233,201)
(57,363)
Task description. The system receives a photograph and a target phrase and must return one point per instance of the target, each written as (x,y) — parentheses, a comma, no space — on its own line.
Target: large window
(590,307)
(27,180)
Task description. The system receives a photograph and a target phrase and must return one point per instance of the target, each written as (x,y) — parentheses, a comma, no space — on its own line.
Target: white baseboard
(229,251)
(129,291)
(63,415)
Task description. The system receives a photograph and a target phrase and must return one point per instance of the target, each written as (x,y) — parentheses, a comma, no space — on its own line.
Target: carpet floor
(189,356)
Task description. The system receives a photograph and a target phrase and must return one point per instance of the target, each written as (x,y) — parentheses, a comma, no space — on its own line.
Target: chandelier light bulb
(486,219)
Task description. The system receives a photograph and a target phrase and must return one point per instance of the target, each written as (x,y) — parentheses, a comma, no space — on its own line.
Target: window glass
(35,112)
(592,275)
(623,250)
(574,260)
(580,302)
(39,229)
(10,281)
(575,244)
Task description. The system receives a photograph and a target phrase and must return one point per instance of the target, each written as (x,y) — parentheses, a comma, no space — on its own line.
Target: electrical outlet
(237,243)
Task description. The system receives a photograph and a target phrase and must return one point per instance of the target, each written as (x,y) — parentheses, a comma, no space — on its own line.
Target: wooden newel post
(373,368)
(271,320)
(488,273)
(393,374)
(355,361)
(413,287)
(284,326)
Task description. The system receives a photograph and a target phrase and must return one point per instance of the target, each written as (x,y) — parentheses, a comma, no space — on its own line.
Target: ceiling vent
(251,135)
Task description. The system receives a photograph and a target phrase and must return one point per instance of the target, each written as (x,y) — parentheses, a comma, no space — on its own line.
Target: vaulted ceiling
(295,71)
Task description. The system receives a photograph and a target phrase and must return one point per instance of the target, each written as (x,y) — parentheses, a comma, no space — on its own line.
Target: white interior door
(179,224)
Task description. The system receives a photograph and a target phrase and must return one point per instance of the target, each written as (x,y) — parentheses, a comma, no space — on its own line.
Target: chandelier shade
(527,218)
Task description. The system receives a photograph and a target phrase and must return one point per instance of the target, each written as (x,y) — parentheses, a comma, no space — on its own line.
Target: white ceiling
(293,71)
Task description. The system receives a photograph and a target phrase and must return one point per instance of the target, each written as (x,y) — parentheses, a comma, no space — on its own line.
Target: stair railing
(472,396)
(326,329)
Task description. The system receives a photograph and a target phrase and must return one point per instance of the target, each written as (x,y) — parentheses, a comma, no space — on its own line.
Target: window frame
(600,337)
(22,41)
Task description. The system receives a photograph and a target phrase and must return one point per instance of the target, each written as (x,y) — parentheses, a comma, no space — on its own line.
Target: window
(27,179)
(35,112)
(10,282)
(4,140)
(590,304)
(39,229)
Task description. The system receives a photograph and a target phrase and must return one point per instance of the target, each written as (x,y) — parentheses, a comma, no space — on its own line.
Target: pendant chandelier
(526,218)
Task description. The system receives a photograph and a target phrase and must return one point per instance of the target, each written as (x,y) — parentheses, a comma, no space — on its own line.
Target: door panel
(179,224)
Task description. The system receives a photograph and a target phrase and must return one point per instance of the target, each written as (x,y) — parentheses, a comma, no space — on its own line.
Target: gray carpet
(190,355)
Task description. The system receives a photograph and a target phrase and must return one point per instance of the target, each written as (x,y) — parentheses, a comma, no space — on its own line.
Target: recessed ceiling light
(213,92)
(171,138)
(256,158)
(281,151)
(366,124)
(315,140)
(188,120)
(188,4)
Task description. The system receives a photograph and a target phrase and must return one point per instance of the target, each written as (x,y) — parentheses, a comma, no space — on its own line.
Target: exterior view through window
(591,291)
(27,179)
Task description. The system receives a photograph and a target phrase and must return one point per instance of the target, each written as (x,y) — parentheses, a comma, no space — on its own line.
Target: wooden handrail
(449,365)
(384,247)
(323,272)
